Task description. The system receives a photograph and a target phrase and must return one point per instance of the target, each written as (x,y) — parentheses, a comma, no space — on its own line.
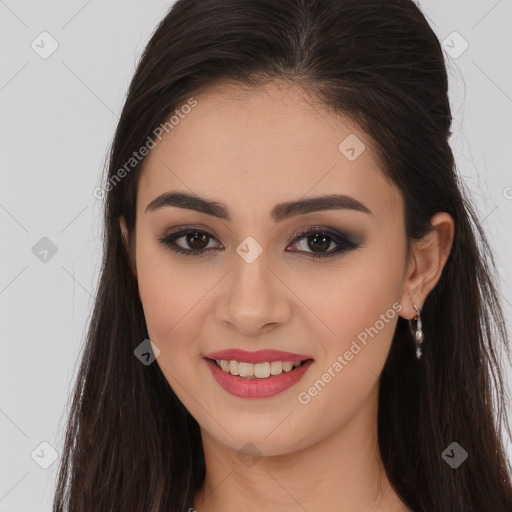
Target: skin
(252,149)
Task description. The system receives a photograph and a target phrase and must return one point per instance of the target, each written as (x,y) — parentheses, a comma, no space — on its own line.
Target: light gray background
(57,120)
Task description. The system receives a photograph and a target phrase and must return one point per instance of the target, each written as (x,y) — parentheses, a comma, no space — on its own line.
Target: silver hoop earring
(417,332)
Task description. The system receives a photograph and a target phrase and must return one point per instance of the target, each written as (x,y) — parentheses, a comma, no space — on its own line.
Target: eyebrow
(279,212)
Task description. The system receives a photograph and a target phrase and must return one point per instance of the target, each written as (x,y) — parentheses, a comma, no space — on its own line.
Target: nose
(255,299)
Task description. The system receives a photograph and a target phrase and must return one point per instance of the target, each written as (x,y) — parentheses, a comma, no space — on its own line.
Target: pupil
(199,241)
(324,244)
(195,237)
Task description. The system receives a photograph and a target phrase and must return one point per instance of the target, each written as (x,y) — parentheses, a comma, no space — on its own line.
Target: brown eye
(318,242)
(195,242)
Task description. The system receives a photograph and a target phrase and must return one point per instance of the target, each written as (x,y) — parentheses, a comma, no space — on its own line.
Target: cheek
(353,295)
(362,311)
(360,306)
(170,294)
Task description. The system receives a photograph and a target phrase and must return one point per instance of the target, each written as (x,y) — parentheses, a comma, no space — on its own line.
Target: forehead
(253,148)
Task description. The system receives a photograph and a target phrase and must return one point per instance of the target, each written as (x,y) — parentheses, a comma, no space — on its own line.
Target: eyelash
(340,239)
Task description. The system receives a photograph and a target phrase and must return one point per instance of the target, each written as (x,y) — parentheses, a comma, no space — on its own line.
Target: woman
(297,307)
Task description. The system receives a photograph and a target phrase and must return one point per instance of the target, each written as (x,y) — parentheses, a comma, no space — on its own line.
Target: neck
(342,472)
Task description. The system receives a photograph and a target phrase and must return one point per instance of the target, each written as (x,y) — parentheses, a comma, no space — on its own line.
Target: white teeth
(276,367)
(262,370)
(258,370)
(245,369)
(233,367)
(287,366)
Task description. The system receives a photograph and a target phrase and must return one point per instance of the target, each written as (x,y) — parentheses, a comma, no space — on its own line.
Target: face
(321,282)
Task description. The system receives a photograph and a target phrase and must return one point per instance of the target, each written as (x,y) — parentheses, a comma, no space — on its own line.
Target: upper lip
(259,356)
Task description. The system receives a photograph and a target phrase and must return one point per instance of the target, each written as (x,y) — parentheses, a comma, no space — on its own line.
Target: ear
(128,244)
(426,263)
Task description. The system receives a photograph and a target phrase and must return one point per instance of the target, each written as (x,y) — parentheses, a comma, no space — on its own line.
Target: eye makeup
(321,235)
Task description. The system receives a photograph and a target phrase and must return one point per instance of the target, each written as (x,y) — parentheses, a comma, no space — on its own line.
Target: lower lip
(257,388)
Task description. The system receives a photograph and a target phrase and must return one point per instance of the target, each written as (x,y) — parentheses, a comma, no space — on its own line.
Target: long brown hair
(130,444)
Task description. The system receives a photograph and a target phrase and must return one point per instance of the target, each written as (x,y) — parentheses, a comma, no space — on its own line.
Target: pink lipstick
(259,374)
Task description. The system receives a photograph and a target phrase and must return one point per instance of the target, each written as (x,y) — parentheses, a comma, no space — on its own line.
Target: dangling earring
(417,333)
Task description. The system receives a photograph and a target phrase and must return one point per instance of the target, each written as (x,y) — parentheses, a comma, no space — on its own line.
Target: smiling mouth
(257,370)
